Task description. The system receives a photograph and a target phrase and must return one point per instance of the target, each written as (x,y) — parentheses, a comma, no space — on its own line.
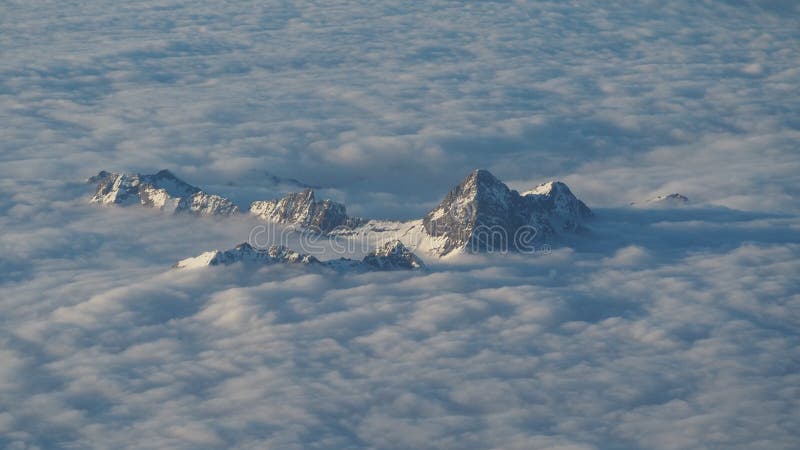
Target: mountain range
(303,210)
(162,190)
(392,255)
(480,214)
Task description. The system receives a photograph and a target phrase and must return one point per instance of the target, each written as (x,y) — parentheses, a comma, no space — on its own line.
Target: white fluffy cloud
(645,346)
(367,97)
(668,329)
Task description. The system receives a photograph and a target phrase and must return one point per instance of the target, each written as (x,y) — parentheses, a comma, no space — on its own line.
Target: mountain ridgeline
(390,256)
(303,210)
(480,214)
(162,190)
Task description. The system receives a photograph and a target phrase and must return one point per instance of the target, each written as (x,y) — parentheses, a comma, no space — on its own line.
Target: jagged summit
(246,253)
(162,190)
(390,256)
(393,255)
(479,196)
(556,190)
(472,210)
(302,209)
(487,189)
(556,199)
(482,176)
(482,214)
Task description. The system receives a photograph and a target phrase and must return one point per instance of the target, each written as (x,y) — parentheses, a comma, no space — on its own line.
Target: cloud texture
(668,329)
(365,97)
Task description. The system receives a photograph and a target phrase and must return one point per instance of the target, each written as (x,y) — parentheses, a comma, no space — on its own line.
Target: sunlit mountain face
(466,225)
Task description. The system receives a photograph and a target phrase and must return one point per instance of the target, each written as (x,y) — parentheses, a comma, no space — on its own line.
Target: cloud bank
(665,329)
(624,100)
(645,346)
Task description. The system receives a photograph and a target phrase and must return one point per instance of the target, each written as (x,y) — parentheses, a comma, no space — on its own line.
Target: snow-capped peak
(557,200)
(481,183)
(393,255)
(302,209)
(480,200)
(548,188)
(482,214)
(247,254)
(390,256)
(162,190)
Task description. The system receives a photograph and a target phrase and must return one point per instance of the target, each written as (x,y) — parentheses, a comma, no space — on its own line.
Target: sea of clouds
(658,329)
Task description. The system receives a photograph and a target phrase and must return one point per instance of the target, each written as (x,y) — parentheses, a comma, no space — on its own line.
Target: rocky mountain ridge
(480,214)
(303,210)
(392,255)
(161,190)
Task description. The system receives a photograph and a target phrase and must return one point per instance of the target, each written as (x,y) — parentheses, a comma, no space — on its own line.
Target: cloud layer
(667,329)
(365,98)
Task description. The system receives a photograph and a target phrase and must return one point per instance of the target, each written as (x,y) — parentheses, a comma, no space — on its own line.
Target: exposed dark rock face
(482,214)
(390,256)
(393,255)
(245,253)
(302,209)
(555,201)
(162,190)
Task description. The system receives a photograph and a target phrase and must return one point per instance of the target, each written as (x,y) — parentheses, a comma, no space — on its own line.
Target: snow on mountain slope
(482,214)
(555,199)
(247,254)
(392,255)
(411,233)
(480,202)
(303,210)
(162,190)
